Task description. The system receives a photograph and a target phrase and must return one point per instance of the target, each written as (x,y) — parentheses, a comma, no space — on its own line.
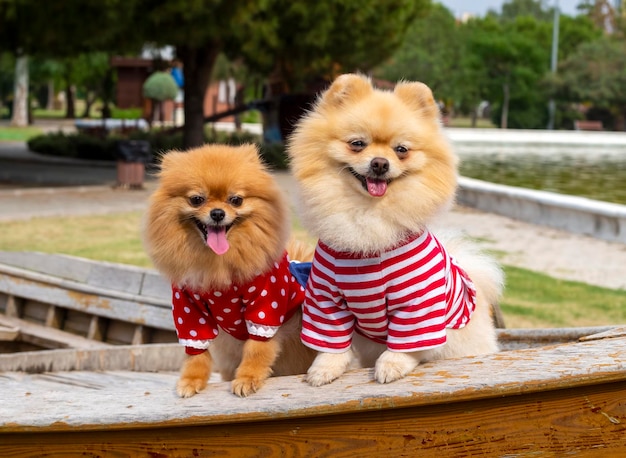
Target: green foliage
(595,72)
(160,86)
(465,63)
(539,9)
(67,28)
(302,40)
(430,53)
(126,113)
(81,146)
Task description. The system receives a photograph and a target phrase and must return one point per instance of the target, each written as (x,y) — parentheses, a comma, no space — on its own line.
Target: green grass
(112,237)
(18,134)
(531,299)
(467,122)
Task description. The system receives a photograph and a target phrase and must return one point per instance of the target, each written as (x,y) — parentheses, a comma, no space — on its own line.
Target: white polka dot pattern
(256,309)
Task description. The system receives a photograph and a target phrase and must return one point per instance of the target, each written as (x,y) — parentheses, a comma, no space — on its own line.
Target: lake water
(594,172)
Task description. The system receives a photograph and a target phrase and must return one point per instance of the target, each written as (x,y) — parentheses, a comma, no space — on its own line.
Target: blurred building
(132,72)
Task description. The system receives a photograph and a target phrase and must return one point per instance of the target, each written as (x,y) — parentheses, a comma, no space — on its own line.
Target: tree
(294,39)
(510,63)
(65,29)
(539,9)
(431,52)
(596,74)
(297,39)
(20,93)
(320,39)
(199,31)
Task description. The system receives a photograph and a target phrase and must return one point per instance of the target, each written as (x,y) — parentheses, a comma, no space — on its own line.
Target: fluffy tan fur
(258,237)
(351,124)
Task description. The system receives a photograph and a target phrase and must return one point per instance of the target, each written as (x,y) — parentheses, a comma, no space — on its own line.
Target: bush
(274,155)
(81,146)
(160,86)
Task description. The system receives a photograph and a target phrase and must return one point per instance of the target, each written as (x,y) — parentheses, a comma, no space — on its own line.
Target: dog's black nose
(379,165)
(217,214)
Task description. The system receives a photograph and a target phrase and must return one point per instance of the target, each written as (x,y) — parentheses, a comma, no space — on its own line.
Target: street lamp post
(554,60)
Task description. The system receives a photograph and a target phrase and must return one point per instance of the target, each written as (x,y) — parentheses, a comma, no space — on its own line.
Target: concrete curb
(463,136)
(579,215)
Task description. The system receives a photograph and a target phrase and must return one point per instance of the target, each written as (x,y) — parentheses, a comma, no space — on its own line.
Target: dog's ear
(419,97)
(346,88)
(249,152)
(168,158)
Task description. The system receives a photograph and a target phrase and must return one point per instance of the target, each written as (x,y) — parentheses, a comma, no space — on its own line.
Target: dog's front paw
(194,375)
(246,385)
(391,366)
(188,386)
(327,367)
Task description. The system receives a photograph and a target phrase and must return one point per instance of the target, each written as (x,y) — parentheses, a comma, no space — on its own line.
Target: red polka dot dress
(251,311)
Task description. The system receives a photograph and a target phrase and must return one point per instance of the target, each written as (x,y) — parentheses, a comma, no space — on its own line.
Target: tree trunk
(20,94)
(504,117)
(70,109)
(197,67)
(90,99)
(50,99)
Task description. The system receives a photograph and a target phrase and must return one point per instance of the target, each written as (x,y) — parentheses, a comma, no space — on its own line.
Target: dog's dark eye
(357,145)
(196,201)
(401,151)
(235,201)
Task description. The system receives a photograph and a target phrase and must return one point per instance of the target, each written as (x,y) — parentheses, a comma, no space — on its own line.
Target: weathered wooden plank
(515,339)
(571,422)
(146,358)
(54,317)
(8,333)
(500,375)
(45,337)
(105,275)
(111,304)
(560,400)
(617,331)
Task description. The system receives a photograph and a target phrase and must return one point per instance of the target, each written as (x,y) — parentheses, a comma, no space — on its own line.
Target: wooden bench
(588,125)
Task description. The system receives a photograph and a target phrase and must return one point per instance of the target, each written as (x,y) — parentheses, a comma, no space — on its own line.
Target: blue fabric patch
(300,270)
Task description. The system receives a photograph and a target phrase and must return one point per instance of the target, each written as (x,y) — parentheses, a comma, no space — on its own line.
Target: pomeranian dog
(373,169)
(217,228)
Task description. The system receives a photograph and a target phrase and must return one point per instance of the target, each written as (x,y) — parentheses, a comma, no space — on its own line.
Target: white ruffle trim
(260,330)
(197,344)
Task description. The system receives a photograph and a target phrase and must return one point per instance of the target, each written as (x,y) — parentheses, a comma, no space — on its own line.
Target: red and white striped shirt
(404,298)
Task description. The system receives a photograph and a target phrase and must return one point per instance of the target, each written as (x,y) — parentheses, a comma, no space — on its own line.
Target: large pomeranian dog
(217,227)
(373,169)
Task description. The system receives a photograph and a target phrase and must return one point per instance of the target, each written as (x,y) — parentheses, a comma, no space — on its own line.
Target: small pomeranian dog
(217,228)
(374,169)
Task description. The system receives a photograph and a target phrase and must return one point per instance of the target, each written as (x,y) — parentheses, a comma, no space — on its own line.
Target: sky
(480,7)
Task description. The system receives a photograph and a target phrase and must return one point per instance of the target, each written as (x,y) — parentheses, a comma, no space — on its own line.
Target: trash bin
(132,157)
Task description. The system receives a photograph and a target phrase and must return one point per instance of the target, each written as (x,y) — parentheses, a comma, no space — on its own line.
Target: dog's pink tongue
(216,240)
(376,188)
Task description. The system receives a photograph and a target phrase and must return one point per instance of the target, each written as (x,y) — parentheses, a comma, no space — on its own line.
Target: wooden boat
(105,385)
